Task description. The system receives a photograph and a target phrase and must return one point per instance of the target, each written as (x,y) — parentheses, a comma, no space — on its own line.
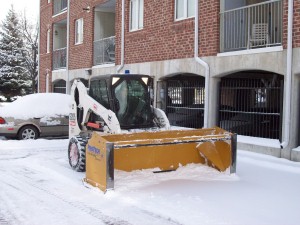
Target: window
(48,41)
(133,104)
(98,91)
(79,31)
(184,9)
(136,14)
(59,6)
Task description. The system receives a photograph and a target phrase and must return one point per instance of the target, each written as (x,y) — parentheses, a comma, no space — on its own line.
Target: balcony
(104,33)
(59,6)
(104,51)
(253,26)
(59,45)
(59,59)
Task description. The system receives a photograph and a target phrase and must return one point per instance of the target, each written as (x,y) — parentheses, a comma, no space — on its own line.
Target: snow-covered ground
(38,187)
(3,104)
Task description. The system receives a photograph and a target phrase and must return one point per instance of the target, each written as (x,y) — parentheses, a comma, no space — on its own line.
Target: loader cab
(128,96)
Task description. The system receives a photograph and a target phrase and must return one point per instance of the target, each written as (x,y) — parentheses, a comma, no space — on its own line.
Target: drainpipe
(203,63)
(68,48)
(289,58)
(47,81)
(122,37)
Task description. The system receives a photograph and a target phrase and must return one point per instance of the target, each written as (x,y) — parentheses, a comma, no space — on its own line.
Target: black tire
(76,153)
(28,132)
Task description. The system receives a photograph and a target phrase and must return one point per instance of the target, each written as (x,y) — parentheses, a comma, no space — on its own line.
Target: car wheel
(28,132)
(76,153)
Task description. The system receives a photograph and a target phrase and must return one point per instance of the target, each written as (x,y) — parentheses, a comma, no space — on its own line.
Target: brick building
(236,66)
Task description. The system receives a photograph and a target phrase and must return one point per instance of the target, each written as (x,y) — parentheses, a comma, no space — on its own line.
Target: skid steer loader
(113,125)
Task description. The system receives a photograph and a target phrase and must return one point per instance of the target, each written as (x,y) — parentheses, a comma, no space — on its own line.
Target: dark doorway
(185,100)
(251,104)
(59,86)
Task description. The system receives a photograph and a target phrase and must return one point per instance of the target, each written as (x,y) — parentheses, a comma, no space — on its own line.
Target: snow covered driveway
(38,187)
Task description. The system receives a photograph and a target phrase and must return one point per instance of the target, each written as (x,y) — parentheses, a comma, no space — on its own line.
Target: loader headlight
(115,80)
(145,80)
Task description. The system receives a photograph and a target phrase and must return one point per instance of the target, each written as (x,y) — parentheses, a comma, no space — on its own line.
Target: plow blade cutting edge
(166,150)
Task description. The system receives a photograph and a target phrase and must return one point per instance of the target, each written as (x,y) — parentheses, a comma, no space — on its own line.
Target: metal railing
(254,26)
(59,6)
(185,101)
(252,106)
(104,51)
(59,58)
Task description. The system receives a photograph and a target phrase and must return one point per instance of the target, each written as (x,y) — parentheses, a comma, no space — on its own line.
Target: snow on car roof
(37,105)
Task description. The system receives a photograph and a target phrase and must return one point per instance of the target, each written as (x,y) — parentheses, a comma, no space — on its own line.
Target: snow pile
(38,105)
(258,141)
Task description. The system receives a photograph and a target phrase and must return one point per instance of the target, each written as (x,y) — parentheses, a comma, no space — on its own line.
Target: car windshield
(133,104)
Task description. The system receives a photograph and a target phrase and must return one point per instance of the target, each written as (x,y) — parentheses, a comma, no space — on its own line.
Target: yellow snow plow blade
(166,150)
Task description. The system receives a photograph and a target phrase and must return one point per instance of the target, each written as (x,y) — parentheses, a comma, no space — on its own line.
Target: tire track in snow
(107,219)
(96,213)
(3,221)
(157,216)
(22,175)
(78,205)
(5,217)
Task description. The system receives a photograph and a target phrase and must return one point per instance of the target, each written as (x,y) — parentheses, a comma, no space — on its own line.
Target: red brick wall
(164,38)
(284,23)
(81,56)
(296,26)
(209,27)
(45,58)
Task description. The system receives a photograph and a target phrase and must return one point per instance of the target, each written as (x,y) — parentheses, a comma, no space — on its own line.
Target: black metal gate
(185,100)
(59,86)
(251,104)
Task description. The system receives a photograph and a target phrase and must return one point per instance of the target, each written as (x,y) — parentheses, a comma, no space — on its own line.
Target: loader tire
(76,153)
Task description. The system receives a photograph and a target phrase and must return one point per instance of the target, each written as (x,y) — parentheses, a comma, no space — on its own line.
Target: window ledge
(183,18)
(104,65)
(252,51)
(59,70)
(137,29)
(60,13)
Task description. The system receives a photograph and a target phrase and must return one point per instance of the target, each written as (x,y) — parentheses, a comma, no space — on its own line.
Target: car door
(52,126)
(65,125)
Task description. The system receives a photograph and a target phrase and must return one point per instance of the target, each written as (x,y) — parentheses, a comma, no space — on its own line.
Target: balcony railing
(104,51)
(253,26)
(59,6)
(59,58)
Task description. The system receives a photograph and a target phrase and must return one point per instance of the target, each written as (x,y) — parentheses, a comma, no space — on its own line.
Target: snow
(2,98)
(38,105)
(258,141)
(3,104)
(38,187)
(297,149)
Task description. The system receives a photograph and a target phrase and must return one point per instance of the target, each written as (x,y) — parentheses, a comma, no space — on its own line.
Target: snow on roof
(37,105)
